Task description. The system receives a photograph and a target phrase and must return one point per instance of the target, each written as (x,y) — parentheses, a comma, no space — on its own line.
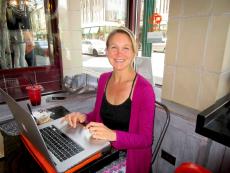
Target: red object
(157,18)
(154,20)
(189,167)
(34,93)
(45,165)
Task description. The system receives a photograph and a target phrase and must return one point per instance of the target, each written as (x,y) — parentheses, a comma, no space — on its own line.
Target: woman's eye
(112,47)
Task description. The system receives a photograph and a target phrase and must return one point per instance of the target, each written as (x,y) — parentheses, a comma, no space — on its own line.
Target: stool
(189,167)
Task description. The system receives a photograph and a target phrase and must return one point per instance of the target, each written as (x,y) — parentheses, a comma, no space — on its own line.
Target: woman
(30,45)
(124,108)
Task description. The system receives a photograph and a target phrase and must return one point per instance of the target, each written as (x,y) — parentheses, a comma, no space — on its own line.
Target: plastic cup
(34,93)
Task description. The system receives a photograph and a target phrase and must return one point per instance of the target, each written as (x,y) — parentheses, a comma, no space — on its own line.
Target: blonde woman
(124,108)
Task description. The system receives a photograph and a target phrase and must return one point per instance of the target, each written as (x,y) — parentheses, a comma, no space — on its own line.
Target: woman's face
(120,52)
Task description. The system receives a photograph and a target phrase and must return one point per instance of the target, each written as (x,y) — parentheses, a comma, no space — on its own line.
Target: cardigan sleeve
(140,133)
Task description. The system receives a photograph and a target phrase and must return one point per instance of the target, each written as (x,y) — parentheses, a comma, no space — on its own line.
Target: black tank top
(116,117)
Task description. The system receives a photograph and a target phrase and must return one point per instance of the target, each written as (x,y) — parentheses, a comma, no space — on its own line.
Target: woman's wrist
(114,135)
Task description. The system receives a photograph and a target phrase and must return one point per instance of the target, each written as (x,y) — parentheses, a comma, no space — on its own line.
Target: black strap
(107,82)
(132,85)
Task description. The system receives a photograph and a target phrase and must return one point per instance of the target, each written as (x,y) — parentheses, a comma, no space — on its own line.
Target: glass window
(157,36)
(29,46)
(99,17)
(25,41)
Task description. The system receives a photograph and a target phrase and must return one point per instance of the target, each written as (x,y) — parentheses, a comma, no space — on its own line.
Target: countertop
(214,122)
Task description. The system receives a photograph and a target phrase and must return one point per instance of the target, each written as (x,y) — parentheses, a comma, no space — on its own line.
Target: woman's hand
(100,131)
(74,118)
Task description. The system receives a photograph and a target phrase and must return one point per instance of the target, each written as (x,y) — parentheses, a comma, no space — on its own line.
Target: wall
(185,145)
(197,60)
(196,74)
(70,36)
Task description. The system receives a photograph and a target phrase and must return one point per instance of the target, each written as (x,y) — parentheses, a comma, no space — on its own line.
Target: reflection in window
(24,38)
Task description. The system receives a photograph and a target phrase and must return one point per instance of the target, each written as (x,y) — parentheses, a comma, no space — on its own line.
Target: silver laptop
(42,137)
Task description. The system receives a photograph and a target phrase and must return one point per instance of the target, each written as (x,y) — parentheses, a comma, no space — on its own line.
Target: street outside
(98,65)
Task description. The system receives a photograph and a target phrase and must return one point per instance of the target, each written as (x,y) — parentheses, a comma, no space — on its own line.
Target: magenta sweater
(138,140)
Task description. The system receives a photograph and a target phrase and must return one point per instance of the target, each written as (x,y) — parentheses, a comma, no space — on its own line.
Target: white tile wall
(198,49)
(70,35)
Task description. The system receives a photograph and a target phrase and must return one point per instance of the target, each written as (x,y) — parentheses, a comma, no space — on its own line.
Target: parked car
(159,46)
(93,47)
(41,48)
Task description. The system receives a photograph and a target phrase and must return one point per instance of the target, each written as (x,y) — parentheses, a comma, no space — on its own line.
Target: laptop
(81,148)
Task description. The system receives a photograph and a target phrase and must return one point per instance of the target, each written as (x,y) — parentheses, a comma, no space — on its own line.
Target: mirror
(25,37)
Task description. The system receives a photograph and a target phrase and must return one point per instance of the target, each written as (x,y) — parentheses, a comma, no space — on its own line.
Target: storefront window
(24,36)
(98,19)
(156,36)
(29,46)
(113,14)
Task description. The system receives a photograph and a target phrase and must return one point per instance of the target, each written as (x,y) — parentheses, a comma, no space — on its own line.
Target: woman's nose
(119,51)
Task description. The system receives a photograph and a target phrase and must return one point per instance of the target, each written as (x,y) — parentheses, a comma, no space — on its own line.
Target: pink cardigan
(138,140)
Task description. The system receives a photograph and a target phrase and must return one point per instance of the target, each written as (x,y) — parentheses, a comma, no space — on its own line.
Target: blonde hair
(125,31)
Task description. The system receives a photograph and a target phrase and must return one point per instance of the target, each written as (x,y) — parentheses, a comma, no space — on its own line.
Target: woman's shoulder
(144,88)
(104,76)
(142,81)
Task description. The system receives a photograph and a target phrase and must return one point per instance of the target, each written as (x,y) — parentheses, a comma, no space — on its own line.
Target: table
(18,159)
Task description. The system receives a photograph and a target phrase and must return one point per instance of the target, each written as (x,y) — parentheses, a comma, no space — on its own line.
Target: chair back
(163,131)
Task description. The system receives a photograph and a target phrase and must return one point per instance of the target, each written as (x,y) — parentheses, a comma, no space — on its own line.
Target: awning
(94,30)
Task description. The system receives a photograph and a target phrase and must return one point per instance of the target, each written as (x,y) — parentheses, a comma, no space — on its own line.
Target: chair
(186,167)
(189,167)
(164,129)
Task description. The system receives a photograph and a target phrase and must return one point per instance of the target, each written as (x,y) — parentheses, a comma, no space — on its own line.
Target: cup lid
(34,87)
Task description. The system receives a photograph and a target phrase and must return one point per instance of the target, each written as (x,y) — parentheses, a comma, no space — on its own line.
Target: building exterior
(99,17)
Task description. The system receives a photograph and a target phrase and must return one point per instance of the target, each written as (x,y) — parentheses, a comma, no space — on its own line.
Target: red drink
(34,93)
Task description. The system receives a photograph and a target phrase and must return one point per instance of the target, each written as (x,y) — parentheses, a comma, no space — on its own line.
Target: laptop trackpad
(78,134)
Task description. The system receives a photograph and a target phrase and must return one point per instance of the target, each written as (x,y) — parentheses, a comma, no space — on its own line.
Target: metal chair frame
(162,134)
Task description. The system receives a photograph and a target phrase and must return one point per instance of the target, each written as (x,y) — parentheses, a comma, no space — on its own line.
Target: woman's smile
(120,52)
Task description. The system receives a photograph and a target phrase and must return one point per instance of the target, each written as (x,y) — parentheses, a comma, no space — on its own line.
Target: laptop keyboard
(59,144)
